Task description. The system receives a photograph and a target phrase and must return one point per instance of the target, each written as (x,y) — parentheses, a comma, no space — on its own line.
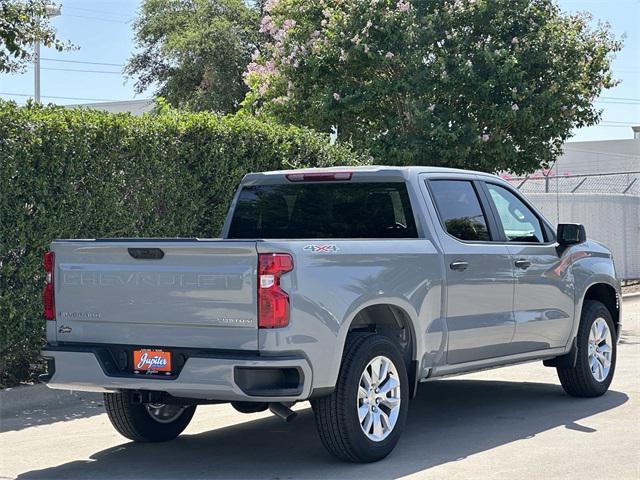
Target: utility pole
(51,11)
(36,71)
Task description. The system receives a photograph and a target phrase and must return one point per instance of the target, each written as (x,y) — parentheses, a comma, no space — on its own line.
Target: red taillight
(48,299)
(318,176)
(273,302)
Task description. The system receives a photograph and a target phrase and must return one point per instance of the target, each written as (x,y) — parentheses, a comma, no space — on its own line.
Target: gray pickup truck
(344,287)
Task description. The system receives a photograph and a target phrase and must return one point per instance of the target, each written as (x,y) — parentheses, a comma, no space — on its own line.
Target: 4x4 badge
(321,248)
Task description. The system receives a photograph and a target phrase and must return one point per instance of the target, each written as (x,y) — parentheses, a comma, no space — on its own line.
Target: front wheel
(361,421)
(148,422)
(597,351)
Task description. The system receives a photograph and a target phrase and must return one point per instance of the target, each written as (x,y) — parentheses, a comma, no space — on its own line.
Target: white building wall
(597,157)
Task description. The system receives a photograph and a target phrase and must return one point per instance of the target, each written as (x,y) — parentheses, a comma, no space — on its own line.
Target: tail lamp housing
(48,296)
(273,302)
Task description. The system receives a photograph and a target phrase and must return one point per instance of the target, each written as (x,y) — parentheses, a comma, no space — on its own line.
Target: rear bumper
(206,375)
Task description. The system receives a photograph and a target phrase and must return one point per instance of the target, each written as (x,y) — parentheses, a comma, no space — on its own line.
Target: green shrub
(89,174)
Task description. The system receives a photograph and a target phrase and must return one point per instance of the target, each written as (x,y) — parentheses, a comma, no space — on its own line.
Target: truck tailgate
(199,294)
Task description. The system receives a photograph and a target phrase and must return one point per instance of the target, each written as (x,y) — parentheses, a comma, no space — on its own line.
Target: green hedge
(87,174)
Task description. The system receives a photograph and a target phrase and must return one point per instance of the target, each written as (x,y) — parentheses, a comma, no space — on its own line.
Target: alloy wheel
(379,398)
(163,413)
(600,349)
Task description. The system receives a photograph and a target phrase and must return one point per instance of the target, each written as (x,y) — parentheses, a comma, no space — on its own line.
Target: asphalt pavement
(509,423)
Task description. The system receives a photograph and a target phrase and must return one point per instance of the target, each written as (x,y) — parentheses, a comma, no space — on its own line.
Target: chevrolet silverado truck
(344,287)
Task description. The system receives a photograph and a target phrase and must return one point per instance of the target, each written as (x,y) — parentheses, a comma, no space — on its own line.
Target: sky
(102,30)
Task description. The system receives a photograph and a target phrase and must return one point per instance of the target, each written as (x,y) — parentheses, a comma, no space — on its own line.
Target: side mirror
(571,233)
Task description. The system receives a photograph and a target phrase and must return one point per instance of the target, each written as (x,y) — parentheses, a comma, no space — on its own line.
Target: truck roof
(384,170)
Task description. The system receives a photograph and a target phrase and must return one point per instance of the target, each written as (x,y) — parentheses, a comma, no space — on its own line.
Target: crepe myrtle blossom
(288,23)
(485,137)
(514,40)
(268,68)
(336,96)
(269,4)
(515,107)
(389,55)
(403,5)
(267,25)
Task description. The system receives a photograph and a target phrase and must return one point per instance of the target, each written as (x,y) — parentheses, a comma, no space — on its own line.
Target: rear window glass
(460,210)
(324,210)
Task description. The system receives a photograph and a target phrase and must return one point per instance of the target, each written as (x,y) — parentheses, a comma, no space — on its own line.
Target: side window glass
(519,223)
(459,209)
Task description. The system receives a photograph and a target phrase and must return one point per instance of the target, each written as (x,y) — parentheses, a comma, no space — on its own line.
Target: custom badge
(321,248)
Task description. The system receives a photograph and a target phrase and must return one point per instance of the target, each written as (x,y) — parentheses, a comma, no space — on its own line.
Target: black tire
(336,415)
(578,381)
(134,421)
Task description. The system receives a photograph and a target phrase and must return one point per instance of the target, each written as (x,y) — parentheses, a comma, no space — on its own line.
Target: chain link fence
(627,183)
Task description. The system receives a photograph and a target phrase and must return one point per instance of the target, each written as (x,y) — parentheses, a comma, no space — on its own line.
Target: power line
(622,98)
(60,98)
(82,71)
(86,63)
(615,102)
(99,19)
(99,12)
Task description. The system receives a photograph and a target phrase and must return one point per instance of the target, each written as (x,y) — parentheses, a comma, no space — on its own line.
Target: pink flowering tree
(491,85)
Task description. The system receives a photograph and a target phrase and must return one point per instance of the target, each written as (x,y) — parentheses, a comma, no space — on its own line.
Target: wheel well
(607,295)
(394,323)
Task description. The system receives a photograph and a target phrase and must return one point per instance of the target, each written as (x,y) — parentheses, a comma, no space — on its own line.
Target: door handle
(458,265)
(522,263)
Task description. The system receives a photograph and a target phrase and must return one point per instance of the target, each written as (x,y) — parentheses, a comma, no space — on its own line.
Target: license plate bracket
(152,361)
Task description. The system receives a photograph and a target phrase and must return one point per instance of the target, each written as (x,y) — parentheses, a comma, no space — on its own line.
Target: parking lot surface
(513,423)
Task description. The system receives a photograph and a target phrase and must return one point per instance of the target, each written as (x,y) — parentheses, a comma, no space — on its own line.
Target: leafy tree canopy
(22,23)
(193,52)
(491,85)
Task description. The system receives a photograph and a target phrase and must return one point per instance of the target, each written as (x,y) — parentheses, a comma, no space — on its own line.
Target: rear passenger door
(479,272)
(544,294)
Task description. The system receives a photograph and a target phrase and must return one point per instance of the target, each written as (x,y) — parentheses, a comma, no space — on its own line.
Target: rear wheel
(361,421)
(149,422)
(597,350)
